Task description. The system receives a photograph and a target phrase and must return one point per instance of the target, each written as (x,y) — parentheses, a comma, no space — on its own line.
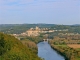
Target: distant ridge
(76,24)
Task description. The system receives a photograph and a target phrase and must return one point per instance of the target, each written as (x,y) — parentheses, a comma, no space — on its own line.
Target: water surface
(46,52)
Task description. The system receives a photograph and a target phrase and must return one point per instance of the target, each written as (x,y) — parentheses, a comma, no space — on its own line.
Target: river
(46,52)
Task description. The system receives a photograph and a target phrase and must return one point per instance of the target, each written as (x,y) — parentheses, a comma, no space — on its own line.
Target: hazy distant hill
(20,28)
(76,24)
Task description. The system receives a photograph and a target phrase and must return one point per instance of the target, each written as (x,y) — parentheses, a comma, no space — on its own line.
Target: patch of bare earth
(74,45)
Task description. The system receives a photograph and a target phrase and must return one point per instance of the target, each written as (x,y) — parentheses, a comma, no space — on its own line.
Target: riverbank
(66,51)
(59,51)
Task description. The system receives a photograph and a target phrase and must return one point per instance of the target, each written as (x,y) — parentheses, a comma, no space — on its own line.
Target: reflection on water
(46,52)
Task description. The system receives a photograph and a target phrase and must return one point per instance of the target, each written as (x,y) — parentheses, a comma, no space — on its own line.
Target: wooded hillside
(12,49)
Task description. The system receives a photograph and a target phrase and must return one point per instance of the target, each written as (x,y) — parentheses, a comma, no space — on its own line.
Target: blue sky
(40,11)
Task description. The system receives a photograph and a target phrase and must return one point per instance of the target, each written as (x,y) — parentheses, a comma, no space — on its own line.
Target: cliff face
(12,49)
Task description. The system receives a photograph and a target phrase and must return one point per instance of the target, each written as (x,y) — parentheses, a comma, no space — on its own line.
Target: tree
(2,44)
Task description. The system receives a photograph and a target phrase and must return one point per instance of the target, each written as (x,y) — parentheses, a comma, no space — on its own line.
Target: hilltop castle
(36,31)
(33,31)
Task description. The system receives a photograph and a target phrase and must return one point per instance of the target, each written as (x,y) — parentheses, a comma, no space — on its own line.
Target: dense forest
(13,49)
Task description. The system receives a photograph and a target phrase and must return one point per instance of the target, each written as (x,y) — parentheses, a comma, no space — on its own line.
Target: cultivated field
(74,45)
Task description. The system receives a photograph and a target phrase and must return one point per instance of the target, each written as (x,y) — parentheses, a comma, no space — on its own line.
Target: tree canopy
(12,49)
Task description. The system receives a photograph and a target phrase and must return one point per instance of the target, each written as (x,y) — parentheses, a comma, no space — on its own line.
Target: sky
(40,11)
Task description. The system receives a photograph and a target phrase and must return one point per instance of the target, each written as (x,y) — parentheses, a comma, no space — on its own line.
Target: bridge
(45,40)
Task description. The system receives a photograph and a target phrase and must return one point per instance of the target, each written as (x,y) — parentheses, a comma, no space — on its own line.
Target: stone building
(33,31)
(36,31)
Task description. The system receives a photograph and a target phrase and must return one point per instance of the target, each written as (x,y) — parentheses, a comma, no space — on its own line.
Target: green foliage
(20,28)
(31,45)
(12,49)
(33,38)
(2,45)
(67,52)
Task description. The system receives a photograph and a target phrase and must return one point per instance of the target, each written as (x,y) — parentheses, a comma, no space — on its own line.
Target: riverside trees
(68,52)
